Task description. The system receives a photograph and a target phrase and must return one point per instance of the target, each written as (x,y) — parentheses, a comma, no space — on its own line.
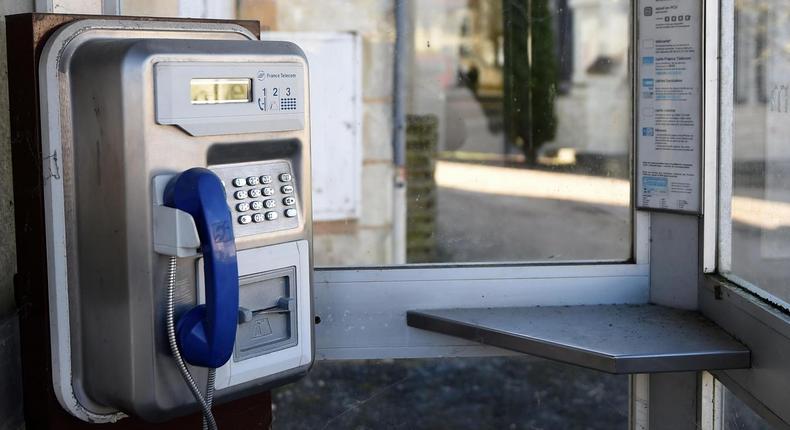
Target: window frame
(757,318)
(721,238)
(380,323)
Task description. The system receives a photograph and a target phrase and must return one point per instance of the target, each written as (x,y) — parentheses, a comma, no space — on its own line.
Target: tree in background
(530,75)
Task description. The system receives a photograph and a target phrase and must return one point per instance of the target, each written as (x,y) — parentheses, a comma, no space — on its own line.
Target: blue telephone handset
(206,333)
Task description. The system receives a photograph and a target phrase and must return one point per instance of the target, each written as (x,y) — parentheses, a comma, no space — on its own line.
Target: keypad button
(269,203)
(268,191)
(290,212)
(252,180)
(271,215)
(285,177)
(238,182)
(254,193)
(256,205)
(266,179)
(289,201)
(258,217)
(243,207)
(245,219)
(240,195)
(287,189)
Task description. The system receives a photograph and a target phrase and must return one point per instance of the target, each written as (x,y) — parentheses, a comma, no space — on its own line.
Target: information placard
(669,105)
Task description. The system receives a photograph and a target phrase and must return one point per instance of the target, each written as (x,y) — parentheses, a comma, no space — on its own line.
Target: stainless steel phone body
(119,110)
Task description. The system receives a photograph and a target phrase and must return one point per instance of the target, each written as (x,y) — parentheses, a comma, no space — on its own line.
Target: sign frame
(645,10)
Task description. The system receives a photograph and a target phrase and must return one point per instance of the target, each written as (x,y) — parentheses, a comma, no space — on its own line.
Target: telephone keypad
(260,188)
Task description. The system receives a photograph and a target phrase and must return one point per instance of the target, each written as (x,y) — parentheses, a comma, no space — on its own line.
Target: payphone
(177,205)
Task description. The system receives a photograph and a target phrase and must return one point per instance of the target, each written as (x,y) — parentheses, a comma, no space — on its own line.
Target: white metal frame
(726,90)
(721,242)
(718,246)
(754,316)
(710,92)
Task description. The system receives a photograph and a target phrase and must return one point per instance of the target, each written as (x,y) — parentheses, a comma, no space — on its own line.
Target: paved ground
(475,394)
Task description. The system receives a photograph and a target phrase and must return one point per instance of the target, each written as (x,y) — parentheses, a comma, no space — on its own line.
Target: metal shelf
(611,338)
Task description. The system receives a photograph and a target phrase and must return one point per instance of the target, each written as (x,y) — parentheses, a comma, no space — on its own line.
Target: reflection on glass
(737,416)
(761,175)
(519,140)
(518,129)
(462,393)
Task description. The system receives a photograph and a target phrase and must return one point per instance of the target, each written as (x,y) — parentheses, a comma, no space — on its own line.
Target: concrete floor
(494,393)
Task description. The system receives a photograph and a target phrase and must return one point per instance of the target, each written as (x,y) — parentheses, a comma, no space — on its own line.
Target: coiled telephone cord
(205,402)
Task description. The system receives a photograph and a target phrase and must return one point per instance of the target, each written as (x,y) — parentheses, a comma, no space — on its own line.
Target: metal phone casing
(109,147)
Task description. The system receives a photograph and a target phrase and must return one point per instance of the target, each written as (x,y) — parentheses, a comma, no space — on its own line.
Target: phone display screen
(223,90)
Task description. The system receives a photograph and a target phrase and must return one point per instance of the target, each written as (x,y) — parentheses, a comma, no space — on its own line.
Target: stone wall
(421,143)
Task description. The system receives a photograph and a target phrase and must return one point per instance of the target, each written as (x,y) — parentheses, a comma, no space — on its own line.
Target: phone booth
(493,214)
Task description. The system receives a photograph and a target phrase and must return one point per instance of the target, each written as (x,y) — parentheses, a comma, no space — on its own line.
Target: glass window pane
(761,171)
(461,393)
(736,415)
(518,128)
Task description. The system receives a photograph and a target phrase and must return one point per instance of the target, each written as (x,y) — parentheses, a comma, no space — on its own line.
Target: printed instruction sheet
(669,79)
